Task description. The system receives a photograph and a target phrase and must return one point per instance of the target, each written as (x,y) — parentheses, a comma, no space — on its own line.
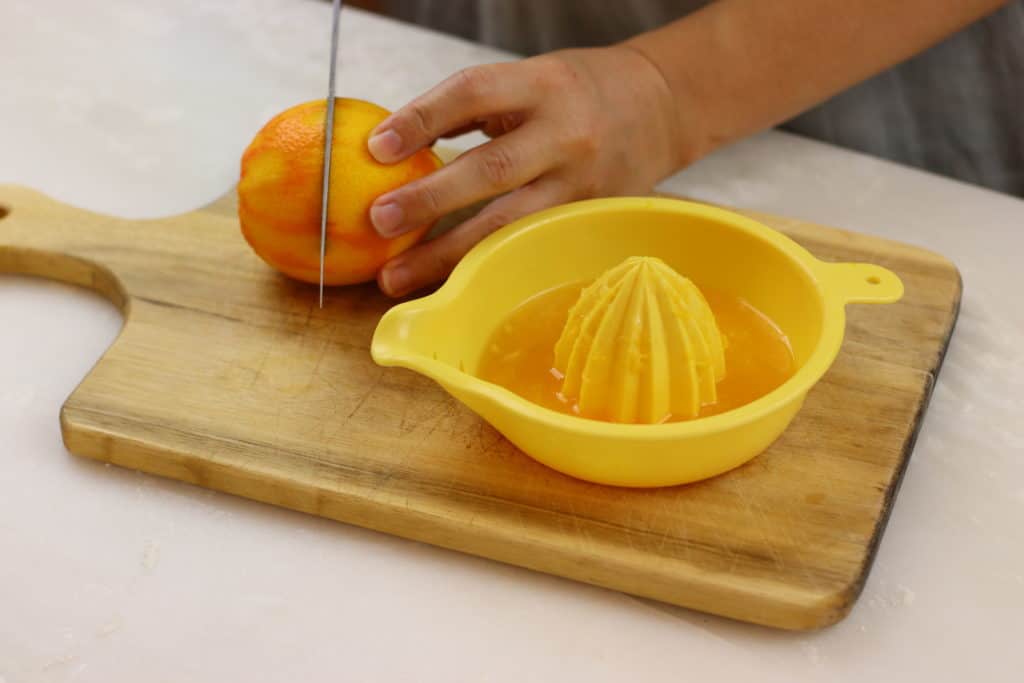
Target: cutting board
(227,375)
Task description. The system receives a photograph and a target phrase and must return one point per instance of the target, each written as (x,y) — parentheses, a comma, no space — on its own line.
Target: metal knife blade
(328,143)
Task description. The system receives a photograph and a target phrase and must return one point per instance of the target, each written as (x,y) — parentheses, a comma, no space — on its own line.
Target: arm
(596,122)
(739,66)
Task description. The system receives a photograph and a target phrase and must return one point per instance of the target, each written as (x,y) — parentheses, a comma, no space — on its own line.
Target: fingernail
(387,218)
(396,279)
(385,146)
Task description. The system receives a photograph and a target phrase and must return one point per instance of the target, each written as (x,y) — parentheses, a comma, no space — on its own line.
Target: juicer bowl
(444,334)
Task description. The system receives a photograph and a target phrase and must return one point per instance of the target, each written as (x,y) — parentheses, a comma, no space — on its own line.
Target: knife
(328,142)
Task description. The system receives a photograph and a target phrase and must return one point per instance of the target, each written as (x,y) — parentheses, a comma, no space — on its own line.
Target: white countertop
(143,109)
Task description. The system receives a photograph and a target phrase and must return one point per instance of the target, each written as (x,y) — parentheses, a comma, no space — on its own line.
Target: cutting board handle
(42,237)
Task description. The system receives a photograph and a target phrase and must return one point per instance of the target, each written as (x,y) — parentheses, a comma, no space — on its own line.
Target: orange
(279,193)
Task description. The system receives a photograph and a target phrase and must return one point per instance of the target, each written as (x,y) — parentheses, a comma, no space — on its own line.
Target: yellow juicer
(444,334)
(640,345)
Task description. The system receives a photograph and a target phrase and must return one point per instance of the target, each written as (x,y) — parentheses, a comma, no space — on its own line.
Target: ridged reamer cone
(640,345)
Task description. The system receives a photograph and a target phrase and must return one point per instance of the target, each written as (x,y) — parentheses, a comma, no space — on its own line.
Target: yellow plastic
(442,335)
(640,345)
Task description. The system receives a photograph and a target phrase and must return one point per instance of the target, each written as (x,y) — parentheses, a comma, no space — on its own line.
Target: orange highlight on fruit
(279,193)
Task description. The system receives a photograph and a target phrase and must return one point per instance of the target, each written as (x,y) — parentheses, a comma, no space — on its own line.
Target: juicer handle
(860,283)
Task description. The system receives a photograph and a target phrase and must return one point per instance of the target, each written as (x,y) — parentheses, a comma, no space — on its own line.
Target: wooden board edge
(896,483)
(804,611)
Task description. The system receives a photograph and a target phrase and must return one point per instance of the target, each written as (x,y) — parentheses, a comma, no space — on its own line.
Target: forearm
(739,66)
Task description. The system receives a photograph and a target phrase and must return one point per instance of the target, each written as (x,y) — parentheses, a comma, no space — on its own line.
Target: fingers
(463,130)
(505,123)
(494,168)
(491,126)
(432,261)
(456,102)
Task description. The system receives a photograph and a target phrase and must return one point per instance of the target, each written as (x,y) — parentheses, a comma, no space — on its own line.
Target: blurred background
(954,109)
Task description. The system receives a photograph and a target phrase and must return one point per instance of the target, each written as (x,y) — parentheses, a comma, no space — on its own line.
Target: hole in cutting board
(4,212)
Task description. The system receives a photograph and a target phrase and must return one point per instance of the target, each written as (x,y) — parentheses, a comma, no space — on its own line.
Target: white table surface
(143,109)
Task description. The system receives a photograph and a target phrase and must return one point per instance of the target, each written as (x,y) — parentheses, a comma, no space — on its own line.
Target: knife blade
(328,143)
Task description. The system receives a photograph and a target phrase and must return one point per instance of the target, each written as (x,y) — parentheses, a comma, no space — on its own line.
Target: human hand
(567,125)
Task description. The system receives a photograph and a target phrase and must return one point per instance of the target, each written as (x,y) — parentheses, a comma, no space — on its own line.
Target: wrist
(679,109)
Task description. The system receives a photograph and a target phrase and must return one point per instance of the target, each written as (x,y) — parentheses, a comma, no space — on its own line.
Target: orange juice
(520,354)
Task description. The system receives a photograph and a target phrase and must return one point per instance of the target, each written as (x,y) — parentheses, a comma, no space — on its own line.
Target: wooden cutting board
(229,376)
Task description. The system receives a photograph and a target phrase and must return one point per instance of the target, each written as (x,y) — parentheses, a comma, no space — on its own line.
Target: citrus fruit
(279,193)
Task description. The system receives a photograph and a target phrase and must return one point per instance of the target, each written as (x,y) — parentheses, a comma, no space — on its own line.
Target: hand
(567,125)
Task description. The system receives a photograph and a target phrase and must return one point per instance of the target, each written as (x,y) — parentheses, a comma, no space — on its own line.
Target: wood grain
(229,376)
